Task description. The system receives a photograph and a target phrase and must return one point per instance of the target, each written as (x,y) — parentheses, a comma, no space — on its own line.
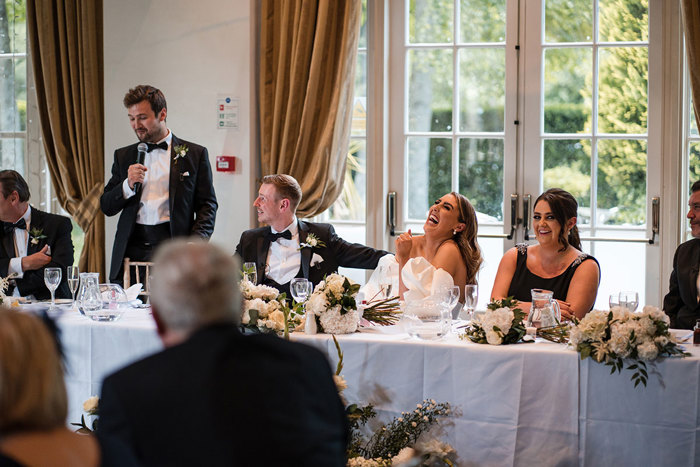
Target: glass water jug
(545,311)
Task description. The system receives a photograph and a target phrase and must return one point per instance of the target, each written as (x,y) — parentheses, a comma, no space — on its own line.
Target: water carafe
(545,311)
(89,297)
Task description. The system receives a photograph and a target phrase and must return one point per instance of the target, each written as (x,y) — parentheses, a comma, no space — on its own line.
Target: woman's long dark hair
(466,239)
(564,207)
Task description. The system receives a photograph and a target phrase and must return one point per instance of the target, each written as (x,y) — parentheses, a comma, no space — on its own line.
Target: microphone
(141,148)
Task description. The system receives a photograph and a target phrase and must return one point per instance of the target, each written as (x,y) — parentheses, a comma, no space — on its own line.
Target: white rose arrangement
(91,407)
(4,284)
(613,337)
(265,309)
(333,304)
(501,324)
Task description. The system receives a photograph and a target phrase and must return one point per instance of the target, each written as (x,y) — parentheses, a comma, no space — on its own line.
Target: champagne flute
(385,284)
(629,300)
(250,272)
(471,297)
(73,276)
(52,277)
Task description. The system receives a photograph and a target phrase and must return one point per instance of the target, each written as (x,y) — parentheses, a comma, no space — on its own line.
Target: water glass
(629,300)
(250,272)
(614,300)
(73,276)
(52,277)
(471,297)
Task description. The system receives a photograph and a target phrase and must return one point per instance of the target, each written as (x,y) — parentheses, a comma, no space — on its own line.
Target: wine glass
(614,300)
(73,276)
(300,288)
(629,300)
(450,296)
(250,272)
(52,277)
(471,297)
(385,282)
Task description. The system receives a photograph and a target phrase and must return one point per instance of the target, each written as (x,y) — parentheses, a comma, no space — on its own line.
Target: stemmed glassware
(52,277)
(385,282)
(614,300)
(471,297)
(250,272)
(629,300)
(73,276)
(450,297)
(300,289)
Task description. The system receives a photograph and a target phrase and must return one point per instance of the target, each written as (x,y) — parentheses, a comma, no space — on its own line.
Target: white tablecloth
(525,404)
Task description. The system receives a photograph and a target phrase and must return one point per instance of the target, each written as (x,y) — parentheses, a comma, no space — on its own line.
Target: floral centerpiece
(619,336)
(4,284)
(501,324)
(333,304)
(266,310)
(91,407)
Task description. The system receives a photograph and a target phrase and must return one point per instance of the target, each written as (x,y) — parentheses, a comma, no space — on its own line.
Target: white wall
(192,51)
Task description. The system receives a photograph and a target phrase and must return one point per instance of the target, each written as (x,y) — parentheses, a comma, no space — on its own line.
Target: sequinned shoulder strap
(522,248)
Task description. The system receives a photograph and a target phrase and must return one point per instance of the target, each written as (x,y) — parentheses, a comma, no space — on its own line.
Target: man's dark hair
(144,92)
(11,181)
(695,187)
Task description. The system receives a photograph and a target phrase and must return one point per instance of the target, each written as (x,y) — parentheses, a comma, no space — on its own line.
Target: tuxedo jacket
(225,399)
(192,199)
(57,230)
(253,247)
(681,302)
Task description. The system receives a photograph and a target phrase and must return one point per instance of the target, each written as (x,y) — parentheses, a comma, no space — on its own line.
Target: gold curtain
(308,50)
(65,37)
(690,10)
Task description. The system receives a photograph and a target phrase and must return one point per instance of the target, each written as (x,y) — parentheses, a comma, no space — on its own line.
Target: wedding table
(513,405)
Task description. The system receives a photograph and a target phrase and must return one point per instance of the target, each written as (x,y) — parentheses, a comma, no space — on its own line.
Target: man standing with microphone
(162,185)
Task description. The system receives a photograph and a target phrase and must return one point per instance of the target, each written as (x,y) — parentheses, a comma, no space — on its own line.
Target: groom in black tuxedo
(290,248)
(215,397)
(162,192)
(32,240)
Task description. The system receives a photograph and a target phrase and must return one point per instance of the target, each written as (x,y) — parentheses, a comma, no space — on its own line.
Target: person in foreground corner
(681,303)
(556,263)
(449,241)
(213,395)
(32,240)
(167,194)
(290,248)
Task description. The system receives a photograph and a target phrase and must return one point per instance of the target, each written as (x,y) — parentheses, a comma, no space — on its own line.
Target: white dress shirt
(21,244)
(284,257)
(154,207)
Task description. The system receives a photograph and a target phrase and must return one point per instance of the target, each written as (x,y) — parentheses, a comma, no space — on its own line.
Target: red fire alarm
(225,163)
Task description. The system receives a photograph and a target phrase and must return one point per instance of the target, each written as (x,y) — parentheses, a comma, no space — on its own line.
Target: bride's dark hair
(564,207)
(466,239)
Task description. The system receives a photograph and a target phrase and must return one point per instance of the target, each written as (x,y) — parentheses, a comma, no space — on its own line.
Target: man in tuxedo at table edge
(32,240)
(169,193)
(682,303)
(284,249)
(195,403)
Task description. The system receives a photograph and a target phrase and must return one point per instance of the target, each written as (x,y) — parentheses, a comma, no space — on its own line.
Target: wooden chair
(138,268)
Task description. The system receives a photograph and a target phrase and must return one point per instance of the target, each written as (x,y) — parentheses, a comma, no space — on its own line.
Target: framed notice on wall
(227,108)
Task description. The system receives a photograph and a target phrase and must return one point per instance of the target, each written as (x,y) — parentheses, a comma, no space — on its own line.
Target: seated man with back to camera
(32,240)
(213,395)
(290,248)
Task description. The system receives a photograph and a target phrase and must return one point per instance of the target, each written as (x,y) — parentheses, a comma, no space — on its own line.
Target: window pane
(693,163)
(359,110)
(363,27)
(623,21)
(622,180)
(430,90)
(568,21)
(693,122)
(12,154)
(13,94)
(483,21)
(430,21)
(567,165)
(567,90)
(481,175)
(482,89)
(623,79)
(13,35)
(429,175)
(350,205)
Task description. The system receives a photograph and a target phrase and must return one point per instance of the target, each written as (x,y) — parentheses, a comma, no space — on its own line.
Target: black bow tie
(162,145)
(9,227)
(273,237)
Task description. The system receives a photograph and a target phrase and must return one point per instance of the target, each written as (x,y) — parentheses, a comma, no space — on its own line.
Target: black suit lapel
(37,224)
(8,242)
(693,276)
(305,252)
(263,246)
(174,185)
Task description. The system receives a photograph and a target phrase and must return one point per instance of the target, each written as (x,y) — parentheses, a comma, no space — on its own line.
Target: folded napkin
(422,279)
(132,293)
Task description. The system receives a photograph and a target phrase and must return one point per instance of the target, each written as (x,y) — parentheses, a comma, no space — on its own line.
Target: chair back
(134,271)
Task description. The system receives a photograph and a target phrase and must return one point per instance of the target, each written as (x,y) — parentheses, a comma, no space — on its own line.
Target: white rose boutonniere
(312,241)
(36,235)
(179,152)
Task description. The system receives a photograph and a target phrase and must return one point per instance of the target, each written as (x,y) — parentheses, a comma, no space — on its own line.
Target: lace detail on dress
(580,259)
(522,248)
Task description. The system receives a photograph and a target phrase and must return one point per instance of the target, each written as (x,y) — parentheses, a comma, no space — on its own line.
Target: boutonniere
(180,151)
(312,241)
(36,235)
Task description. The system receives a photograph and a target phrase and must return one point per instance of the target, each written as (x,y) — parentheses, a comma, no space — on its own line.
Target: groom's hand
(37,260)
(404,242)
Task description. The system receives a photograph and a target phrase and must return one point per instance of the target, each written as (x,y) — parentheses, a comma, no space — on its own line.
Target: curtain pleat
(65,37)
(307,72)
(690,10)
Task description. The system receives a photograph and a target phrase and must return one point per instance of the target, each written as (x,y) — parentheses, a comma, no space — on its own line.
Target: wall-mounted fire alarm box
(225,163)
